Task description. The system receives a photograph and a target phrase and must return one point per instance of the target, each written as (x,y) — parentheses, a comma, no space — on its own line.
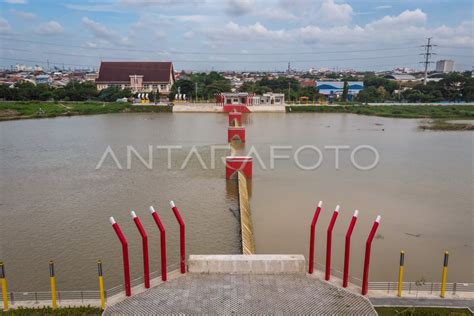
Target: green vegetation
(63,311)
(289,86)
(453,87)
(443,125)
(422,311)
(34,109)
(207,86)
(403,111)
(73,91)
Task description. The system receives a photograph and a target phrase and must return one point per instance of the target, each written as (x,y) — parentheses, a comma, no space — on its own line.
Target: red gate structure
(234,164)
(235,117)
(236,132)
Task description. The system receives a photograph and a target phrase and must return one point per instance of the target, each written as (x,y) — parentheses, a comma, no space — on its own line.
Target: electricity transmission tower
(427,54)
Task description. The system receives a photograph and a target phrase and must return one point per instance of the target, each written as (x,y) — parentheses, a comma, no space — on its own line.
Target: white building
(445,65)
(268,99)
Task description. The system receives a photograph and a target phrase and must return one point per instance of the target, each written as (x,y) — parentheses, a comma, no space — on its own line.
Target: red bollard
(182,239)
(163,242)
(368,245)
(347,249)
(311,238)
(146,265)
(126,265)
(329,242)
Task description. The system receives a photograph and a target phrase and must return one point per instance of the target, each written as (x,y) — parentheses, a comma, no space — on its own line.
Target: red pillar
(347,248)
(329,242)
(236,131)
(146,264)
(126,265)
(368,246)
(238,163)
(162,240)
(182,239)
(312,236)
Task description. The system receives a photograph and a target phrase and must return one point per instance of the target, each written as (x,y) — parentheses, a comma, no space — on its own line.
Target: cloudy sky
(236,34)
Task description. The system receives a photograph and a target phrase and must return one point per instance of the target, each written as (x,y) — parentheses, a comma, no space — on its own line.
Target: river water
(55,204)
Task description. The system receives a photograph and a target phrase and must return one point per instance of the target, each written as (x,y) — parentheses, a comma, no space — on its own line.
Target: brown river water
(55,205)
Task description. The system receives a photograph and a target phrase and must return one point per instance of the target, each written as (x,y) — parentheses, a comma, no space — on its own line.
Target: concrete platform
(244,294)
(247,264)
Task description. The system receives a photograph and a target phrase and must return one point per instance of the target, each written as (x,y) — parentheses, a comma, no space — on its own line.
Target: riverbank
(401,111)
(33,110)
(439,114)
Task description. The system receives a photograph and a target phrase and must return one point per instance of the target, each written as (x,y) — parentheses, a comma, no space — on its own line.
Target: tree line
(454,87)
(73,91)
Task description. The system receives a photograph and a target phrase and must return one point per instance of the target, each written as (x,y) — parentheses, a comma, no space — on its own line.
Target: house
(269,99)
(138,76)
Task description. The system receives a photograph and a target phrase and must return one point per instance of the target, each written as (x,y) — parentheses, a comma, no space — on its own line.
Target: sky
(241,35)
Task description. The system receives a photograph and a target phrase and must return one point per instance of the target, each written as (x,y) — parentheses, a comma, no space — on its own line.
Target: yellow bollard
(400,273)
(445,272)
(52,280)
(4,287)
(101,285)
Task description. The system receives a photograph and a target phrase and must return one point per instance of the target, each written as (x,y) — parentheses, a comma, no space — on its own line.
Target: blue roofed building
(333,89)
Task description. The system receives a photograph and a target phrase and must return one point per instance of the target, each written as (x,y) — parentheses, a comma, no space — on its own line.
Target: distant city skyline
(236,34)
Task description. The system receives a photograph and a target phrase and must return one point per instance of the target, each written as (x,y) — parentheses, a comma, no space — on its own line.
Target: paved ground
(244,294)
(393,301)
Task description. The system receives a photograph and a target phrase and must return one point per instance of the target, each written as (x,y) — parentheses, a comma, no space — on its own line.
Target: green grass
(422,311)
(24,110)
(442,125)
(402,111)
(63,311)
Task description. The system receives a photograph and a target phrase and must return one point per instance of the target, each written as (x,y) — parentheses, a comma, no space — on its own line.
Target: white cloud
(16,1)
(332,13)
(50,28)
(23,14)
(5,27)
(405,19)
(407,28)
(101,32)
(256,31)
(277,14)
(383,7)
(240,7)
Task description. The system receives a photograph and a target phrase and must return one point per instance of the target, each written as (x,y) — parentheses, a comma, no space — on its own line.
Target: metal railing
(37,296)
(431,287)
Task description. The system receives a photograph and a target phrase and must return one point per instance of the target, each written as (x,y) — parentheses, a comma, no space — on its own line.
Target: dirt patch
(8,113)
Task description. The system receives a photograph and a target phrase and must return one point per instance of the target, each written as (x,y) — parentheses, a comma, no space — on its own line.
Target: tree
(113,93)
(345,91)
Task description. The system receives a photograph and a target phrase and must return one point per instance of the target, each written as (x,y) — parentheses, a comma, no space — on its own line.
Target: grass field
(25,110)
(422,311)
(64,311)
(402,111)
(438,114)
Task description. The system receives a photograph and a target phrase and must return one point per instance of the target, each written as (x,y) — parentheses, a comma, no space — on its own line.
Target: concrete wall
(247,264)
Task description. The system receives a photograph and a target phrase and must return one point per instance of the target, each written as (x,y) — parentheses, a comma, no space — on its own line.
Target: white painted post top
(152,209)
(133,214)
(112,220)
(378,218)
(356,213)
(172,204)
(337,208)
(320,203)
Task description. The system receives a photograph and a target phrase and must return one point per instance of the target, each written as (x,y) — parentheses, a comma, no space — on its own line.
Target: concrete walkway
(244,294)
